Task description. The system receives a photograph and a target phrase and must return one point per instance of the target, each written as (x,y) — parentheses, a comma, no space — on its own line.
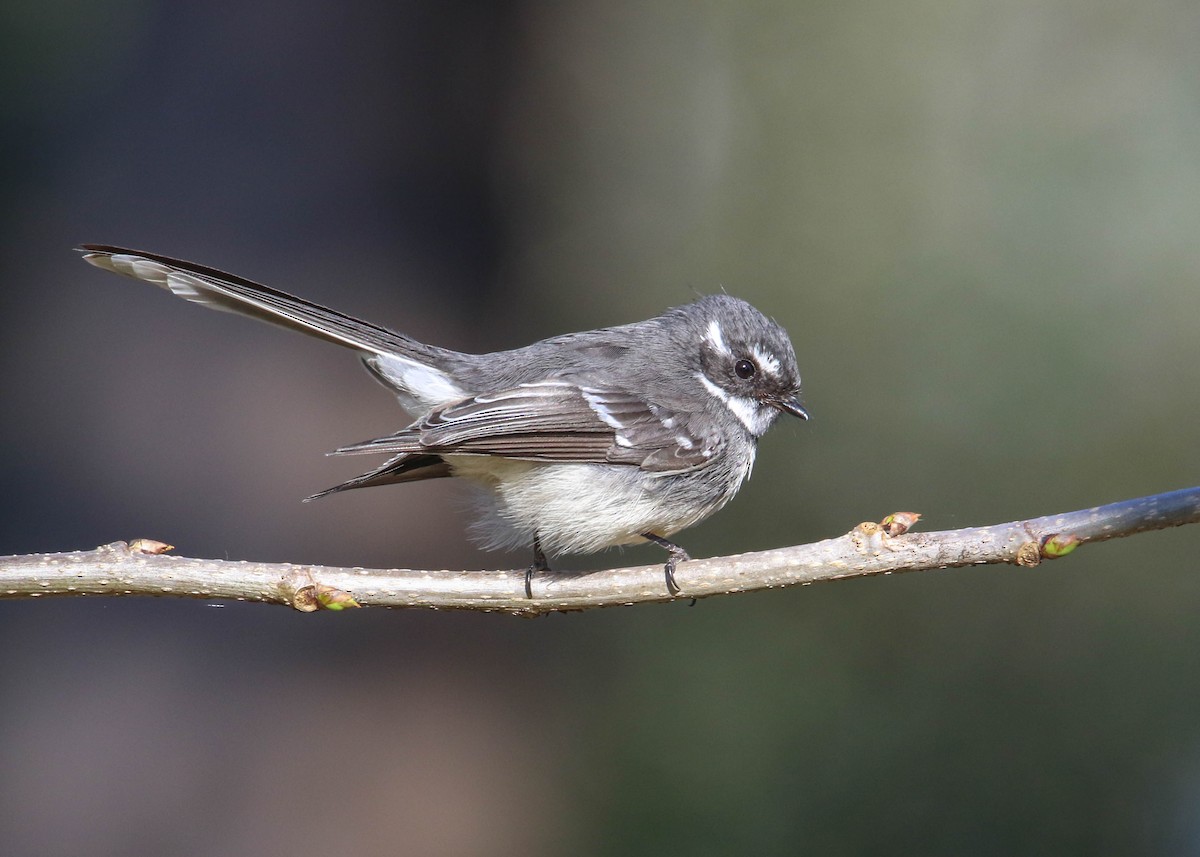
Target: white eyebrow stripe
(715,336)
(768,361)
(755,417)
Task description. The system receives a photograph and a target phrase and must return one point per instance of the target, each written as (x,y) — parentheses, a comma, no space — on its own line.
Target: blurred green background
(978,221)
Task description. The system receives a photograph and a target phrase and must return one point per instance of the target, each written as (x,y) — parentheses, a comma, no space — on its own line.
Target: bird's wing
(554,421)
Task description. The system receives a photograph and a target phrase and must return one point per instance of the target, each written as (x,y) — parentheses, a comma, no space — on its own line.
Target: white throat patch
(756,417)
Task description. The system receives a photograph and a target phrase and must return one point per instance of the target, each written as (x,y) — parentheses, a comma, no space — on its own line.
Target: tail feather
(399,443)
(230,293)
(405,468)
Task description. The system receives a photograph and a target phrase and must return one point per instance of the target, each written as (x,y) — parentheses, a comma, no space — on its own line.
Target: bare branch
(141,568)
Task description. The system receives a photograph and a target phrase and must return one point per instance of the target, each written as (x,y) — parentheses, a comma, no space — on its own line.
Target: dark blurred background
(979,222)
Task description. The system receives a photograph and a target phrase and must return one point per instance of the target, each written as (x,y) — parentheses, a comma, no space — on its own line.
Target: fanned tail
(230,293)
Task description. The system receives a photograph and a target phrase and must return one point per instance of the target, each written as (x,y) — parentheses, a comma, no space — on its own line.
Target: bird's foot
(677,556)
(539,564)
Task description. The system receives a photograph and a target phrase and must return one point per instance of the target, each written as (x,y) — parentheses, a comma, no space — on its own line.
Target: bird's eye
(745,369)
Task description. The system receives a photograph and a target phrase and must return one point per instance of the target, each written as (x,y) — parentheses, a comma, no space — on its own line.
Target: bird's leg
(677,556)
(539,564)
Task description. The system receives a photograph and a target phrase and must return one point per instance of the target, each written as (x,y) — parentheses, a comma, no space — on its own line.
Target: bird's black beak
(791,405)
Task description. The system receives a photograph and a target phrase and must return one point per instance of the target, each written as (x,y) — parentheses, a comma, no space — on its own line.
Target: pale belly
(582,508)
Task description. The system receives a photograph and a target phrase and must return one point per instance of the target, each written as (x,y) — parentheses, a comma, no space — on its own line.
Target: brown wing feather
(553,421)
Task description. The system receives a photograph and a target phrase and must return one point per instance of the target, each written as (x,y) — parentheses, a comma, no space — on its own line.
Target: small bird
(580,442)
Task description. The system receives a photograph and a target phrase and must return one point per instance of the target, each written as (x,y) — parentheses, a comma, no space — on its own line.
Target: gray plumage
(579,442)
